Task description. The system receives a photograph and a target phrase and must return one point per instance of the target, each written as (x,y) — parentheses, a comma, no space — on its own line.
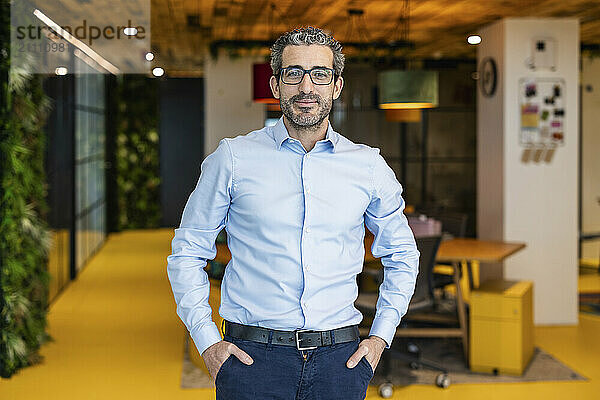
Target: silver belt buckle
(298,340)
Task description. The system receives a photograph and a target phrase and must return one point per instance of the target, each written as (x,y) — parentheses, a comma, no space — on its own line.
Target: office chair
(422,300)
(454,225)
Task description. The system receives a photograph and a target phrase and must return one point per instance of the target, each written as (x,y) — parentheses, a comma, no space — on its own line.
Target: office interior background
(97,165)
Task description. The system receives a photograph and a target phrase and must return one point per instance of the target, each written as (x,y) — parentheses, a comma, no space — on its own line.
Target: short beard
(302,121)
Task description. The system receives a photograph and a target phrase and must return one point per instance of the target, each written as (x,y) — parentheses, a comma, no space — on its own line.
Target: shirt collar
(280,133)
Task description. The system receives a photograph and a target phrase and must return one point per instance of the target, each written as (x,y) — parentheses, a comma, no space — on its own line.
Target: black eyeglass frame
(308,71)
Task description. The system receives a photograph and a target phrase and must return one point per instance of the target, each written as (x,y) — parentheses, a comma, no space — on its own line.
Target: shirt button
(307,190)
(307,229)
(307,267)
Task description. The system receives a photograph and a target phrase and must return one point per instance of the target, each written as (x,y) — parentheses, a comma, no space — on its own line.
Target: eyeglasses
(318,75)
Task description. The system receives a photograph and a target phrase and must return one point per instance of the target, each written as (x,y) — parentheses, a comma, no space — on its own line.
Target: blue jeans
(283,373)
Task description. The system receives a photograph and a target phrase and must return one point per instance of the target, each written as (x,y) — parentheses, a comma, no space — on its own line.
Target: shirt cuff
(206,336)
(384,329)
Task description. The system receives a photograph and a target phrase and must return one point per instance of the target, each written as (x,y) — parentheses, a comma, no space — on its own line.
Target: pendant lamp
(261,91)
(408,89)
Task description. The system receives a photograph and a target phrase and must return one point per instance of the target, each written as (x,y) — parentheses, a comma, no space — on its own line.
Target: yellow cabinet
(501,325)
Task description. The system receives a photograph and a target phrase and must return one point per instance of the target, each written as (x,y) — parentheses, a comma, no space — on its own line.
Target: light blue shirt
(295,227)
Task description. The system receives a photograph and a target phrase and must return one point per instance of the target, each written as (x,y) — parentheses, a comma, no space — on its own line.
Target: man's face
(306,104)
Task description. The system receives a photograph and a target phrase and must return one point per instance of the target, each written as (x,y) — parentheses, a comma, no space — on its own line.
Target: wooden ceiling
(181,29)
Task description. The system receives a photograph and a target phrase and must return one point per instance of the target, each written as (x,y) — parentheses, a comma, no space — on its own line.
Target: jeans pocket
(368,366)
(222,367)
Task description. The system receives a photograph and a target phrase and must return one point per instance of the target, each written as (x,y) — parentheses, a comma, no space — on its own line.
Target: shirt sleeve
(395,244)
(203,217)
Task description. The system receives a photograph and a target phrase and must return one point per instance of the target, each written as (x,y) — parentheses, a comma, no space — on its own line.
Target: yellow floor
(118,337)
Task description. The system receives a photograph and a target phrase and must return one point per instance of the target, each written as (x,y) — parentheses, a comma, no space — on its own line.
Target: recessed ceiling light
(474,39)
(61,71)
(149,56)
(129,31)
(158,71)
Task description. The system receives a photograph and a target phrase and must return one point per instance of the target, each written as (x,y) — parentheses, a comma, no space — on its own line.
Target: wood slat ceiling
(182,28)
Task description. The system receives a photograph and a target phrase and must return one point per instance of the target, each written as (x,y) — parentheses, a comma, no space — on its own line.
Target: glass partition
(90,197)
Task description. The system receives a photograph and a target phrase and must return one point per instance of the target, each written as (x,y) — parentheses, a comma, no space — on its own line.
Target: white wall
(539,201)
(590,154)
(230,110)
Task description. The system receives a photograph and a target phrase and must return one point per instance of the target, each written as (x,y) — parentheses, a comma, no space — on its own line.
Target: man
(294,199)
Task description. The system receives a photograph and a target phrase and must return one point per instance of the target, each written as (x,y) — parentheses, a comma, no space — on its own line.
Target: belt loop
(270,341)
(332,337)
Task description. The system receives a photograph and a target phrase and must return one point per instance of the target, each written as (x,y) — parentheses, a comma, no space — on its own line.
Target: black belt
(301,339)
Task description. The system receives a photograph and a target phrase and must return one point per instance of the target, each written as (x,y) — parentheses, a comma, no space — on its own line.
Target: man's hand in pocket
(215,355)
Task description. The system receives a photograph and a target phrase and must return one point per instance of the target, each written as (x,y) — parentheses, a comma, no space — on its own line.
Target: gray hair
(306,36)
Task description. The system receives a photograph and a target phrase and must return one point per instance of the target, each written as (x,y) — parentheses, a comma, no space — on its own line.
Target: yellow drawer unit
(501,327)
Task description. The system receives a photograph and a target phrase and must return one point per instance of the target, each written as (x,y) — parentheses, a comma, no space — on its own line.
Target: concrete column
(522,197)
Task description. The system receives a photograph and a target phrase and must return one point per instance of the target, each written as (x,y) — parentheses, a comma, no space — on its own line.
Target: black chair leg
(417,360)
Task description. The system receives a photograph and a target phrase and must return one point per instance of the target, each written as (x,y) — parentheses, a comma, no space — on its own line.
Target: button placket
(305,231)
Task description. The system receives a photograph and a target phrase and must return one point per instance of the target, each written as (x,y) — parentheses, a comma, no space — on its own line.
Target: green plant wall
(24,234)
(137,153)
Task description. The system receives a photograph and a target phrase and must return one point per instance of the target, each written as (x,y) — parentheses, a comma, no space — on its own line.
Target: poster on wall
(542,110)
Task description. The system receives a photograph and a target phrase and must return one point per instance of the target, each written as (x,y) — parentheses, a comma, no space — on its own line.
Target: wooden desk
(469,250)
(461,249)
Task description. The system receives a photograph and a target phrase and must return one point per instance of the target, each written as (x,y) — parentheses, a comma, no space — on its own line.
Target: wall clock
(488,76)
